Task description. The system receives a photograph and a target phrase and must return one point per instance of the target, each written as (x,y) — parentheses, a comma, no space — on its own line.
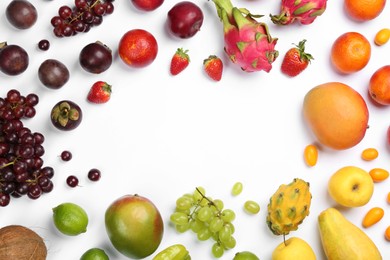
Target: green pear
(342,240)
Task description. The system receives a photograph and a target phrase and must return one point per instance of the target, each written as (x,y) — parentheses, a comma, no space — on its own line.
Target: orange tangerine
(350,52)
(364,10)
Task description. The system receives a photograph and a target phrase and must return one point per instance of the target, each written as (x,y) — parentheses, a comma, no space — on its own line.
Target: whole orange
(379,85)
(138,48)
(364,10)
(350,52)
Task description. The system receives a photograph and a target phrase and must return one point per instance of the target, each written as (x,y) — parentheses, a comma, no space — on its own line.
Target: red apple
(147,5)
(134,226)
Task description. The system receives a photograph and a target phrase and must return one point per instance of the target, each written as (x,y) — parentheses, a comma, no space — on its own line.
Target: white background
(161,136)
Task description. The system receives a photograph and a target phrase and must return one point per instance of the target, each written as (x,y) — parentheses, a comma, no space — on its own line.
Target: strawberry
(180,61)
(296,60)
(100,92)
(213,67)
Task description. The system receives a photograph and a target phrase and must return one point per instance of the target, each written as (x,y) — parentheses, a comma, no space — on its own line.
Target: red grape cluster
(21,151)
(84,15)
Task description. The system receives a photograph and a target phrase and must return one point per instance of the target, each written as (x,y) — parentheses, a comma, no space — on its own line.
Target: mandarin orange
(364,10)
(350,52)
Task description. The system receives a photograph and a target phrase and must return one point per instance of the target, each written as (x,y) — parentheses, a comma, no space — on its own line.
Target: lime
(94,254)
(70,219)
(245,255)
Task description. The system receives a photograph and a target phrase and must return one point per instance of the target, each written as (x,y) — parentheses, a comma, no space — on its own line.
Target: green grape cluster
(207,218)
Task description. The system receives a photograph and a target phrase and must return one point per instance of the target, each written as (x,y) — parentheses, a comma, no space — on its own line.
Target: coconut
(18,242)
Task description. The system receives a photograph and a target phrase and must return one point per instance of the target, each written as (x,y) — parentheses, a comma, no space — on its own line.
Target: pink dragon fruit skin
(248,43)
(304,11)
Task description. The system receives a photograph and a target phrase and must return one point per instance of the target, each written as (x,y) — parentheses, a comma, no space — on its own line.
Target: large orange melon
(337,115)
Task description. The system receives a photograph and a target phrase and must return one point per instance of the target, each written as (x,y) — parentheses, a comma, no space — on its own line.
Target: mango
(336,114)
(134,226)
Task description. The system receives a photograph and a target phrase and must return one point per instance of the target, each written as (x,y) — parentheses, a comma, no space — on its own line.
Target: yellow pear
(342,240)
(293,248)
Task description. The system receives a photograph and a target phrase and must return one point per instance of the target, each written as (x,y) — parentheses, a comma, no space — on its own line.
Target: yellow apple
(351,186)
(293,248)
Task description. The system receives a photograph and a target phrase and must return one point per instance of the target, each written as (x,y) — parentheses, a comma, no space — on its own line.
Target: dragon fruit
(288,207)
(304,11)
(248,42)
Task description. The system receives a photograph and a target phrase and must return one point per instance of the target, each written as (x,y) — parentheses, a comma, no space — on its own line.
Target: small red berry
(296,60)
(213,67)
(100,92)
(179,61)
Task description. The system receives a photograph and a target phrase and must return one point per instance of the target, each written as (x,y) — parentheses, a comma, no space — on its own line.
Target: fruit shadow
(110,250)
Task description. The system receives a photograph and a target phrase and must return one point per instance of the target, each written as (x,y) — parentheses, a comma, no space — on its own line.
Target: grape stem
(81,13)
(7,164)
(210,201)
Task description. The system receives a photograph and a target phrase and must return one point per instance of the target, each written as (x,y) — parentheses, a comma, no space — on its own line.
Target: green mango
(134,226)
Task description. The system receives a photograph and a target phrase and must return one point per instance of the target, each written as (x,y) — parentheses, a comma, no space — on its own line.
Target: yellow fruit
(342,240)
(288,207)
(336,114)
(293,248)
(310,155)
(351,186)
(370,154)
(378,174)
(382,36)
(373,216)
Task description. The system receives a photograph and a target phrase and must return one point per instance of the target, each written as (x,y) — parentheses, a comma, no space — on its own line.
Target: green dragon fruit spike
(248,43)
